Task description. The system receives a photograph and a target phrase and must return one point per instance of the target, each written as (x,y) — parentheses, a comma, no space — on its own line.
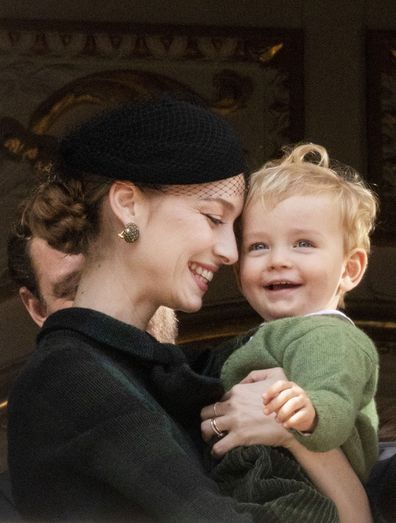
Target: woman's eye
(303,243)
(214,219)
(259,246)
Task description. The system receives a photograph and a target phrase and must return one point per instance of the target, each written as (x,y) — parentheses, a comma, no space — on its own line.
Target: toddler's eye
(259,246)
(303,243)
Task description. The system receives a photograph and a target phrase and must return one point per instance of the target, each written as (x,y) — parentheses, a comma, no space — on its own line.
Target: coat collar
(180,390)
(114,333)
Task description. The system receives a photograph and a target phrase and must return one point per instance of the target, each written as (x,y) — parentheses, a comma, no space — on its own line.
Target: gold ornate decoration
(268,54)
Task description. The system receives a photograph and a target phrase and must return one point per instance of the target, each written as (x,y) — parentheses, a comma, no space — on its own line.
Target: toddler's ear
(355,267)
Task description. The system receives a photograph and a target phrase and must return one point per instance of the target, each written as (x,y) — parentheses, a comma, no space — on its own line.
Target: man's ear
(123,197)
(355,267)
(36,309)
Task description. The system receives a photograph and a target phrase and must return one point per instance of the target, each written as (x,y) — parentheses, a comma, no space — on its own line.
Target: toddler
(305,242)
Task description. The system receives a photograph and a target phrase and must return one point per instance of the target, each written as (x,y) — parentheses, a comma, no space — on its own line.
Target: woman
(104,420)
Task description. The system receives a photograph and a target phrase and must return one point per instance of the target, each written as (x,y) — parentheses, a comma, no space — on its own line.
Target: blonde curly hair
(306,170)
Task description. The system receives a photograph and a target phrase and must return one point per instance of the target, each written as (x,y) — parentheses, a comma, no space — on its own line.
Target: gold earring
(130,233)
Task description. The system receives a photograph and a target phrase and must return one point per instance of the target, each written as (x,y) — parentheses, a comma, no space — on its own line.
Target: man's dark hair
(20,266)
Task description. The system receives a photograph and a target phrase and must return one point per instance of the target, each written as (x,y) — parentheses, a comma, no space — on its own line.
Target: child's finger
(289,409)
(276,403)
(302,420)
(275,389)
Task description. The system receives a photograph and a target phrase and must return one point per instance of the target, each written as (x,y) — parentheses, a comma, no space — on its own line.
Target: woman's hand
(241,417)
(271,376)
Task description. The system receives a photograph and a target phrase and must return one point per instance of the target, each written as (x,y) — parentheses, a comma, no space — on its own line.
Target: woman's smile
(202,275)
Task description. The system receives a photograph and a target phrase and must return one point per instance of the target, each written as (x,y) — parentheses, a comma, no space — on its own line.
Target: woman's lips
(202,275)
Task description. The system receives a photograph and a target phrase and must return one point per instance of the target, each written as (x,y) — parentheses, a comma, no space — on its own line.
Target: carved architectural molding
(381,119)
(144,42)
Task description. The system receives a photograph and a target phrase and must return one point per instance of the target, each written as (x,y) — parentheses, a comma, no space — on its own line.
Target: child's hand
(291,405)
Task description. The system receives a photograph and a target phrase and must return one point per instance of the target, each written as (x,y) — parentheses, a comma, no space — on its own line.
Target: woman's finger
(224,445)
(213,427)
(207,412)
(269,432)
(272,375)
(213,410)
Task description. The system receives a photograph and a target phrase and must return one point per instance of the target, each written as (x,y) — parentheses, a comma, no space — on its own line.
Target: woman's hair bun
(58,214)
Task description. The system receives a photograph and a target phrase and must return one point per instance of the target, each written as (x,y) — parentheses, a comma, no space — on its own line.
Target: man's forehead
(47,260)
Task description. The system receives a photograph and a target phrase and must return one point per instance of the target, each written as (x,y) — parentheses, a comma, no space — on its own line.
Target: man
(48,281)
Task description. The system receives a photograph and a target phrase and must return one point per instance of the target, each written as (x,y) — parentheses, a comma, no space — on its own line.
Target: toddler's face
(292,259)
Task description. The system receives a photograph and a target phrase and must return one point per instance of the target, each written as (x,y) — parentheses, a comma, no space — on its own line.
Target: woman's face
(188,235)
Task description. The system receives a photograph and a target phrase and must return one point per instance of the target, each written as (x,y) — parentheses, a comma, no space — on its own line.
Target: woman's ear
(123,197)
(355,267)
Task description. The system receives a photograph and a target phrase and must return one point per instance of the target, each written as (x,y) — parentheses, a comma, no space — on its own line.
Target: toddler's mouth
(280,285)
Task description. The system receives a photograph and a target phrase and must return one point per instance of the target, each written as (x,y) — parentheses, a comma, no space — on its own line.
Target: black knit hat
(164,142)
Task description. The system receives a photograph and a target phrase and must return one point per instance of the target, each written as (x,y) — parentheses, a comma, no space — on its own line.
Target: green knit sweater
(336,364)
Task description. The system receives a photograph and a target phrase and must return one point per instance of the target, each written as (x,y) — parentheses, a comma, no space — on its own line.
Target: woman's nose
(226,248)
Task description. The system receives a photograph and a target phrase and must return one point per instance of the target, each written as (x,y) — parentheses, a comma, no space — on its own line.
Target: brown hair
(67,213)
(20,267)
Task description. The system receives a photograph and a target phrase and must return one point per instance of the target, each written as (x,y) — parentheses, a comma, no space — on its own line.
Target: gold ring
(215,428)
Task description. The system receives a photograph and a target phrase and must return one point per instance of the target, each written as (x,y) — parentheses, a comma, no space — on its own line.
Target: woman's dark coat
(104,425)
